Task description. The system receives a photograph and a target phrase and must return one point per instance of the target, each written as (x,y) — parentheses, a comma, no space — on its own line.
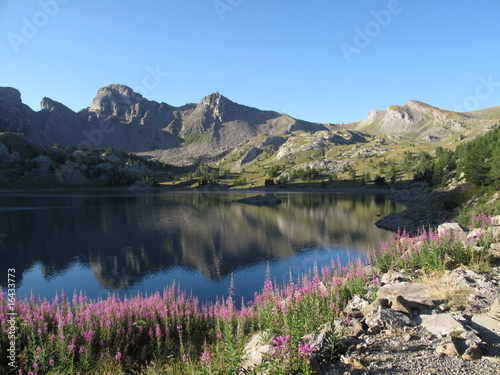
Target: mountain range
(217,129)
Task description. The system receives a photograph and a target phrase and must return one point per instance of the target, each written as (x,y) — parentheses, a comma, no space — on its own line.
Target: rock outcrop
(269,200)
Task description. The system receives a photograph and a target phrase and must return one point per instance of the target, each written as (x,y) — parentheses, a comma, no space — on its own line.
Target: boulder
(495,220)
(355,307)
(254,353)
(384,318)
(401,305)
(391,277)
(475,234)
(448,347)
(42,163)
(495,309)
(469,280)
(352,330)
(319,341)
(472,352)
(488,328)
(470,338)
(440,324)
(452,230)
(419,296)
(494,232)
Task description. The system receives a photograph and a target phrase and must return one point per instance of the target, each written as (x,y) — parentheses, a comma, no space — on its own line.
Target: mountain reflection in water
(121,241)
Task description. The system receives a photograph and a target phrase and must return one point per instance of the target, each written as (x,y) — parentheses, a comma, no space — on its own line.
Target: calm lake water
(121,242)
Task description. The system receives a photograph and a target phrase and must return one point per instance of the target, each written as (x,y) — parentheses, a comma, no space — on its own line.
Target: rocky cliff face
(15,116)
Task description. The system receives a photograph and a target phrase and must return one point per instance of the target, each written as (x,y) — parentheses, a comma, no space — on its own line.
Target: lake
(122,242)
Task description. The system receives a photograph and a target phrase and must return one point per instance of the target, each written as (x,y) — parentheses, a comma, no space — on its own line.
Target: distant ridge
(420,121)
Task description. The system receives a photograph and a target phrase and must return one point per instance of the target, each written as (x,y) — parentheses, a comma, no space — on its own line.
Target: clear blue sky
(320,60)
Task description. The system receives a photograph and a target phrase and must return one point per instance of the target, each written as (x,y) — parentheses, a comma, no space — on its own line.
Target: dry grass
(455,295)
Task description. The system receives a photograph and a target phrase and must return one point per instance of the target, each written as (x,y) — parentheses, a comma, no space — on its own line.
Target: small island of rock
(269,200)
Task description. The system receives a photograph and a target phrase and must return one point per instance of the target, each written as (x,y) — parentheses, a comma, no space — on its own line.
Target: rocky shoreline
(426,209)
(416,324)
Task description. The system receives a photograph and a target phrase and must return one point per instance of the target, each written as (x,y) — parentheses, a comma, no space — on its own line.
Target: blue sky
(320,60)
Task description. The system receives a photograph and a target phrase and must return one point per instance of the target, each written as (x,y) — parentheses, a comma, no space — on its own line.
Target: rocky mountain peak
(52,105)
(114,99)
(10,95)
(14,115)
(122,90)
(214,100)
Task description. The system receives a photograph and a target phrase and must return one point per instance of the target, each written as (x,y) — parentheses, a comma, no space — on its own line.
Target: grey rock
(390,277)
(440,324)
(254,353)
(384,318)
(419,296)
(488,327)
(355,306)
(472,352)
(448,347)
(269,200)
(107,167)
(494,232)
(350,328)
(495,309)
(464,278)
(319,341)
(250,156)
(452,230)
(474,234)
(495,220)
(42,163)
(401,305)
(470,338)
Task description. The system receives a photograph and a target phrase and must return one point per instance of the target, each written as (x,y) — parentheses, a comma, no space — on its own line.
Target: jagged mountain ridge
(120,118)
(125,120)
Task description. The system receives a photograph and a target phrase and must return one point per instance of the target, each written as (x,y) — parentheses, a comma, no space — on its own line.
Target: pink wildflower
(304,351)
(205,359)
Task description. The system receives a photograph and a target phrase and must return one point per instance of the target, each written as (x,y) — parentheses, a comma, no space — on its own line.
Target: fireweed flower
(205,359)
(118,356)
(304,351)
(279,345)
